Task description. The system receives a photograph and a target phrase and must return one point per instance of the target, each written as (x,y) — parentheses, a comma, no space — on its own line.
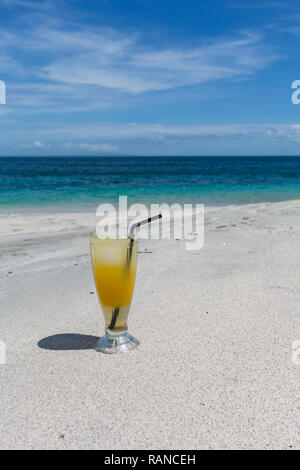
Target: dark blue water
(85,182)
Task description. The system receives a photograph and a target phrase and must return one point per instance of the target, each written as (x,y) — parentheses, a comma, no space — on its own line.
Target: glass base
(114,343)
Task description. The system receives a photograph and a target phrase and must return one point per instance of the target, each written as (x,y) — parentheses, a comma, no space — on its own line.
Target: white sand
(214,367)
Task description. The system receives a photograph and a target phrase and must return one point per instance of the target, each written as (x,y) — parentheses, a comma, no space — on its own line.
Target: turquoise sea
(74,183)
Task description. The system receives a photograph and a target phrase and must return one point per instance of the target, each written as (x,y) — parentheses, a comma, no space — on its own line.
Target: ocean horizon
(81,183)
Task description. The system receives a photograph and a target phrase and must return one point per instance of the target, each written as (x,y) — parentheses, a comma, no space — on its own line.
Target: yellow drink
(114,268)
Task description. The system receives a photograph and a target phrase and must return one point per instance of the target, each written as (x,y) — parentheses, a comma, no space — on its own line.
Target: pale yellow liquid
(114,278)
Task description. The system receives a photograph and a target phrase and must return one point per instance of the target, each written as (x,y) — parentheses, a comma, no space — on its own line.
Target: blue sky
(154,77)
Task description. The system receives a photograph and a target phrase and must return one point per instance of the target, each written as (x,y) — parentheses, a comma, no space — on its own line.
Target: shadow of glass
(68,342)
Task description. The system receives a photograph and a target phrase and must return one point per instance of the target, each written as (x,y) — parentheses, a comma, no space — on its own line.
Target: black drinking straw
(132,232)
(114,318)
(136,226)
(131,235)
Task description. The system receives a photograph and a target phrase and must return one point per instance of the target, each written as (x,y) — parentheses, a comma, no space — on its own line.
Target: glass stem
(114,333)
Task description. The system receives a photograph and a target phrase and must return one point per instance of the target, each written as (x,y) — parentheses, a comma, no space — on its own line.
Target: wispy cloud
(64,53)
(262,5)
(157,132)
(110,60)
(36,144)
(55,63)
(114,139)
(90,147)
(27,4)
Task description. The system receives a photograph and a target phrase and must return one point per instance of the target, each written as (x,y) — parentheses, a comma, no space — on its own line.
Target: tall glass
(114,267)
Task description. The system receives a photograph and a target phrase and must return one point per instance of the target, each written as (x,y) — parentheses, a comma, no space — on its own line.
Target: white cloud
(154,138)
(25,146)
(109,148)
(121,63)
(262,5)
(37,5)
(90,147)
(115,132)
(112,60)
(61,66)
(38,144)
(35,144)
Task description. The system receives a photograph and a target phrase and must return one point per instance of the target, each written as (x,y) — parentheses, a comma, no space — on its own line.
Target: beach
(214,369)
